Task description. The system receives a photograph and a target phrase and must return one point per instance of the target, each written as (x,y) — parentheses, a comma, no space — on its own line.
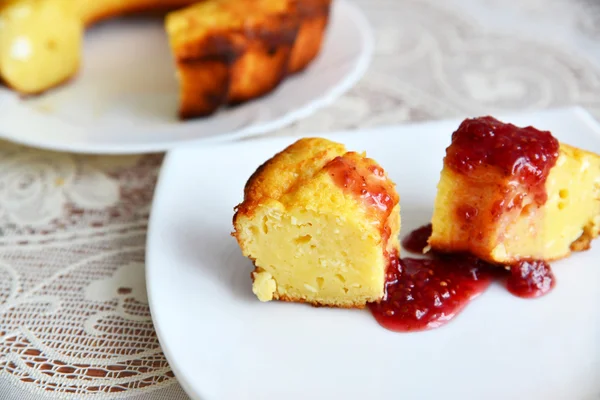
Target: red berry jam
(368,183)
(526,154)
(530,279)
(423,294)
(416,241)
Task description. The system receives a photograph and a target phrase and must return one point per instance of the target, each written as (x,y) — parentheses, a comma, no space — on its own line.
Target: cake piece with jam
(321,225)
(509,193)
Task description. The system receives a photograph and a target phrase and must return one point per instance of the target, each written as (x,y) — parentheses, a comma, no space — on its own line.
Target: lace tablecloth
(74,320)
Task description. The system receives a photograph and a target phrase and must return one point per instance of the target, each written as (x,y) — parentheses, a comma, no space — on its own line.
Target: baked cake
(321,224)
(507,194)
(40,43)
(314,18)
(230,51)
(254,45)
(226,51)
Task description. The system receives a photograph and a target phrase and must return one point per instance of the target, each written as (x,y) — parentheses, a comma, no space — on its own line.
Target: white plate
(125,98)
(222,343)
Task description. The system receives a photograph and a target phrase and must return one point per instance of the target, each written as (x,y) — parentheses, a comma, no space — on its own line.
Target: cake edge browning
(308,148)
(231,66)
(590,232)
(264,62)
(314,21)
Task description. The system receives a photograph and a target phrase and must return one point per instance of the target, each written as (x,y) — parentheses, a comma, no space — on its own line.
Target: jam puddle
(423,294)
(530,279)
(416,241)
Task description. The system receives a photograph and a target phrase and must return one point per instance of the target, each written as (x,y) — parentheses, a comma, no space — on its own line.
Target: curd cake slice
(508,194)
(314,18)
(321,224)
(230,51)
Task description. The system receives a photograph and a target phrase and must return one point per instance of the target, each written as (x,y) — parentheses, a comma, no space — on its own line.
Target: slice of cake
(314,18)
(508,194)
(321,225)
(230,51)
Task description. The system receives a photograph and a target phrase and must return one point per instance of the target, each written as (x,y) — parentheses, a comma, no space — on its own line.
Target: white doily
(74,320)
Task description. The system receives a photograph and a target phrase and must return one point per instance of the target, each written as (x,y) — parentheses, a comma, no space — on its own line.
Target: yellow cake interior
(312,241)
(568,220)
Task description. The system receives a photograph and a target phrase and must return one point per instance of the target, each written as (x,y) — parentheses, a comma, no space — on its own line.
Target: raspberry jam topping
(416,241)
(526,153)
(367,182)
(423,294)
(530,279)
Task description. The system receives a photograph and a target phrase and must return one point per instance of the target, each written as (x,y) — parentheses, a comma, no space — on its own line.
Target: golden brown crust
(584,242)
(317,304)
(280,173)
(314,16)
(258,57)
(262,67)
(255,58)
(203,87)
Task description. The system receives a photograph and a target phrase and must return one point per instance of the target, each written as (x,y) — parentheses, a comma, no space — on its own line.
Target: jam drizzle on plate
(423,294)
(530,279)
(416,241)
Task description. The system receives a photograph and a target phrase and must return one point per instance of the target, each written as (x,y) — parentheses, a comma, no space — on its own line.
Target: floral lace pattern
(74,319)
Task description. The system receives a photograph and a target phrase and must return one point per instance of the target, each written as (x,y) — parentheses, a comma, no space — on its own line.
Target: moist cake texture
(321,224)
(508,194)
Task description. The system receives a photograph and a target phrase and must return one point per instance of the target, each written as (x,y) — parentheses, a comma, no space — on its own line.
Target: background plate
(222,343)
(125,98)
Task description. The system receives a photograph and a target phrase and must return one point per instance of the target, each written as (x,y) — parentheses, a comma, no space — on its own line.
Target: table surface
(74,319)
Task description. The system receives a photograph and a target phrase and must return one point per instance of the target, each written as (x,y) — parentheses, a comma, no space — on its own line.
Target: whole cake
(226,51)
(508,194)
(321,224)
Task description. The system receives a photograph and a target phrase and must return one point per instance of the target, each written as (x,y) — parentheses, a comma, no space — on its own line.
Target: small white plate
(125,98)
(222,343)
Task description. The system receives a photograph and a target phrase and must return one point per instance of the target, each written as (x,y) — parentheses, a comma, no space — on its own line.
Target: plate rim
(355,14)
(576,110)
